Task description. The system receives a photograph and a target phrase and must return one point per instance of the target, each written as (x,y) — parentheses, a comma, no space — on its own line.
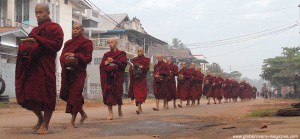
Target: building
(17,20)
(131,35)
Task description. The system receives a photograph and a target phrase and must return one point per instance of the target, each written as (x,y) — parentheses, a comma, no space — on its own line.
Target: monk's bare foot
(120,114)
(70,126)
(110,117)
(43,130)
(180,106)
(138,111)
(37,126)
(155,109)
(83,118)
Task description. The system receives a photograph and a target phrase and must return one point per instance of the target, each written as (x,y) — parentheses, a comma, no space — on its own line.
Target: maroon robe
(160,84)
(227,88)
(208,88)
(243,90)
(73,80)
(235,89)
(194,84)
(199,77)
(183,89)
(254,90)
(35,79)
(138,86)
(218,90)
(112,77)
(172,92)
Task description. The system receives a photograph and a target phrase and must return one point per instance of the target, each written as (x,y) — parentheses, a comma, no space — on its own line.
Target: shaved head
(113,42)
(169,60)
(42,12)
(183,64)
(159,57)
(140,51)
(77,29)
(43,5)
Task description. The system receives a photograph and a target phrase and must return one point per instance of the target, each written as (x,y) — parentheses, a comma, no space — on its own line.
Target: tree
(177,44)
(214,68)
(281,70)
(236,75)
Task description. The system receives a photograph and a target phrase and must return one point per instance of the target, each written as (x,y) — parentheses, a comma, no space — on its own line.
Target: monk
(73,79)
(199,78)
(218,88)
(138,79)
(227,89)
(208,87)
(235,90)
(160,84)
(172,92)
(35,68)
(254,91)
(194,92)
(112,72)
(183,89)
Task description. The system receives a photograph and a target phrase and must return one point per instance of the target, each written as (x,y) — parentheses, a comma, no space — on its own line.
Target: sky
(204,21)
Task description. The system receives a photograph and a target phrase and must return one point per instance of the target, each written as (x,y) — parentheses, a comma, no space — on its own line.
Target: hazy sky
(197,21)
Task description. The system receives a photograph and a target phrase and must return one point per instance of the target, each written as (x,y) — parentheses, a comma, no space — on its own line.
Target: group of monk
(35,69)
(36,78)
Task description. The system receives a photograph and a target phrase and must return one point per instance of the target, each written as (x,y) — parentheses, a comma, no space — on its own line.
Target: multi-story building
(17,20)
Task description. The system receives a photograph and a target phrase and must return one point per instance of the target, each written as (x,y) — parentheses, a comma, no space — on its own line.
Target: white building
(17,20)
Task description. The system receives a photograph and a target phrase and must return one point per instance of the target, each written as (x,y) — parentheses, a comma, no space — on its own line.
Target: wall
(8,75)
(9,40)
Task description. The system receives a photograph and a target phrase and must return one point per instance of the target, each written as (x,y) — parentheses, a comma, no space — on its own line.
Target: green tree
(281,70)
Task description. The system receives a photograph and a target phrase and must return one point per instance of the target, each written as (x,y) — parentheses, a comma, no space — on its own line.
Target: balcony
(128,47)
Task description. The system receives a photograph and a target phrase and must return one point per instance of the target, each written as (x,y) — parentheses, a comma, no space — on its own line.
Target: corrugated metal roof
(108,24)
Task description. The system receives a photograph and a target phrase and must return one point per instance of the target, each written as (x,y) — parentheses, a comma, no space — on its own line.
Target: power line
(184,12)
(251,45)
(241,38)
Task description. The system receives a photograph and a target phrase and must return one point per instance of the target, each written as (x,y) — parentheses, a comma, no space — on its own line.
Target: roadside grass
(263,112)
(3,105)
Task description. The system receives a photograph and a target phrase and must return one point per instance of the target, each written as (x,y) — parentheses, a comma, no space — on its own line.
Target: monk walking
(208,87)
(160,84)
(35,68)
(112,68)
(193,84)
(184,76)
(138,79)
(200,77)
(73,78)
(172,92)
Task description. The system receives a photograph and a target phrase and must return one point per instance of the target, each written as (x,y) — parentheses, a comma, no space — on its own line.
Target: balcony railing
(101,43)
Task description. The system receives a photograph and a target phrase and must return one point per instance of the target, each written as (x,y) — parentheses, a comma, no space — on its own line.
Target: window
(3,12)
(97,61)
(66,2)
(22,11)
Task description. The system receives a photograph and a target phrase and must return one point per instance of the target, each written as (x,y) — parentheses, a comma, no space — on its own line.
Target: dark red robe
(207,89)
(195,84)
(217,88)
(235,89)
(35,79)
(172,92)
(199,78)
(227,89)
(138,86)
(112,77)
(160,84)
(254,90)
(243,90)
(183,87)
(73,80)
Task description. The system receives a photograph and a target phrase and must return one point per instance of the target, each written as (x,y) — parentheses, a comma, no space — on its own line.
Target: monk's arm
(62,59)
(121,61)
(54,44)
(146,65)
(87,56)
